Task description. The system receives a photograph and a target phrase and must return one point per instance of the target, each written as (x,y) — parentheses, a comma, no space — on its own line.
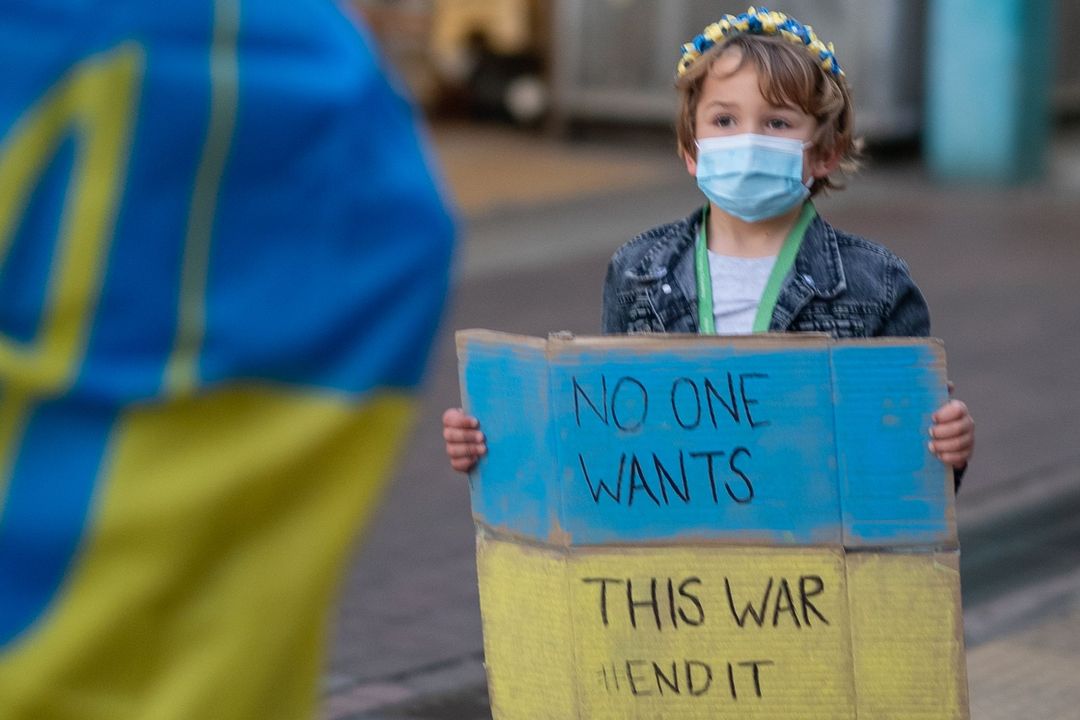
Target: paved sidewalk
(1033,674)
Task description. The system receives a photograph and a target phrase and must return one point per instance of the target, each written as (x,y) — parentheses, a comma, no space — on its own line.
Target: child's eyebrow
(722,104)
(732,105)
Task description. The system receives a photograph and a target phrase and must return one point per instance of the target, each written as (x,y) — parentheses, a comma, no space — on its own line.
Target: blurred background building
(566,61)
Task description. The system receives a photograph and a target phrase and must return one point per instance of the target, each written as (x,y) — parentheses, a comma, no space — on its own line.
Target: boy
(765,119)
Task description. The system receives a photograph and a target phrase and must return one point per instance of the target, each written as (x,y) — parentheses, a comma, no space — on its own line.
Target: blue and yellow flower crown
(759,22)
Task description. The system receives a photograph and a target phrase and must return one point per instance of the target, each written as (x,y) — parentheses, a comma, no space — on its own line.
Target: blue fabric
(326,210)
(327,246)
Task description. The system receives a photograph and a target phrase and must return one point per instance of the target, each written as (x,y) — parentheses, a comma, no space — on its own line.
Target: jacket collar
(818,272)
(818,263)
(671,258)
(672,248)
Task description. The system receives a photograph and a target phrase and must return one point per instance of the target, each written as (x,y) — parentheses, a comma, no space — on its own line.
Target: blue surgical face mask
(752,177)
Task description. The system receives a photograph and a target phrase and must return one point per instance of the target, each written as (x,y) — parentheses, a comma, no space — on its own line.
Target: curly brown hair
(788,75)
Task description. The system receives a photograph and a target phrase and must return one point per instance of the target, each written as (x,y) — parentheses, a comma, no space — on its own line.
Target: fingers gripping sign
(465,443)
(953,434)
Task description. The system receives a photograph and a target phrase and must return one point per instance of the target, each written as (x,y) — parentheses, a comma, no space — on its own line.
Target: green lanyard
(784,262)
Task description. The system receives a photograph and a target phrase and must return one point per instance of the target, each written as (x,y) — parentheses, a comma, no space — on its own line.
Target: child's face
(731,103)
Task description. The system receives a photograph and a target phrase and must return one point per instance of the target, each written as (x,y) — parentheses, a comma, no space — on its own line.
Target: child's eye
(724,121)
(778,124)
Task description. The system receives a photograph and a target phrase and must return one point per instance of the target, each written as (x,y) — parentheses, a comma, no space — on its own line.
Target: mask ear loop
(809,184)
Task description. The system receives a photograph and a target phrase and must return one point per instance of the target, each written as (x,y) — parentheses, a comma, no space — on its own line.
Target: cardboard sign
(693,527)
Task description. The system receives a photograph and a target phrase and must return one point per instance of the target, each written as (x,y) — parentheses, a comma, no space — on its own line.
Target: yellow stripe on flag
(220,535)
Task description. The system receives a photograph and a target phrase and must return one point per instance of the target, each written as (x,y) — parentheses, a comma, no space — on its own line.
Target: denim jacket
(841,284)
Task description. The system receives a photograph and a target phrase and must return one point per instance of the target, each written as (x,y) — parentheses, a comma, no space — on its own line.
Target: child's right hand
(464,441)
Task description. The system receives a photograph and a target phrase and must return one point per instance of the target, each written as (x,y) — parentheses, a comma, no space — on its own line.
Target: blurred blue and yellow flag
(222,261)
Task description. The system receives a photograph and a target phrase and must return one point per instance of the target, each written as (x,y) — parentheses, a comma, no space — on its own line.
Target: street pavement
(1000,270)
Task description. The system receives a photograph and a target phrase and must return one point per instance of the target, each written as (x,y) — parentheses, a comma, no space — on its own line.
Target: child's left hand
(953,434)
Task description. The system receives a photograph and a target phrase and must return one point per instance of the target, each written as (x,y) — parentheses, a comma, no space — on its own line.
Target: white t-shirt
(737,286)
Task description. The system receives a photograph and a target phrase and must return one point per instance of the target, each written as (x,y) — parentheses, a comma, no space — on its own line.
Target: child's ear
(691,162)
(823,165)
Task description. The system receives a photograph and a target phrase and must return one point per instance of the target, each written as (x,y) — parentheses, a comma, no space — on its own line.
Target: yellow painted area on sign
(220,531)
(697,632)
(528,646)
(907,636)
(704,632)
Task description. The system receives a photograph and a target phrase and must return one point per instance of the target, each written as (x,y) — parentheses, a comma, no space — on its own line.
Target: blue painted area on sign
(890,482)
(708,442)
(748,441)
(511,487)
